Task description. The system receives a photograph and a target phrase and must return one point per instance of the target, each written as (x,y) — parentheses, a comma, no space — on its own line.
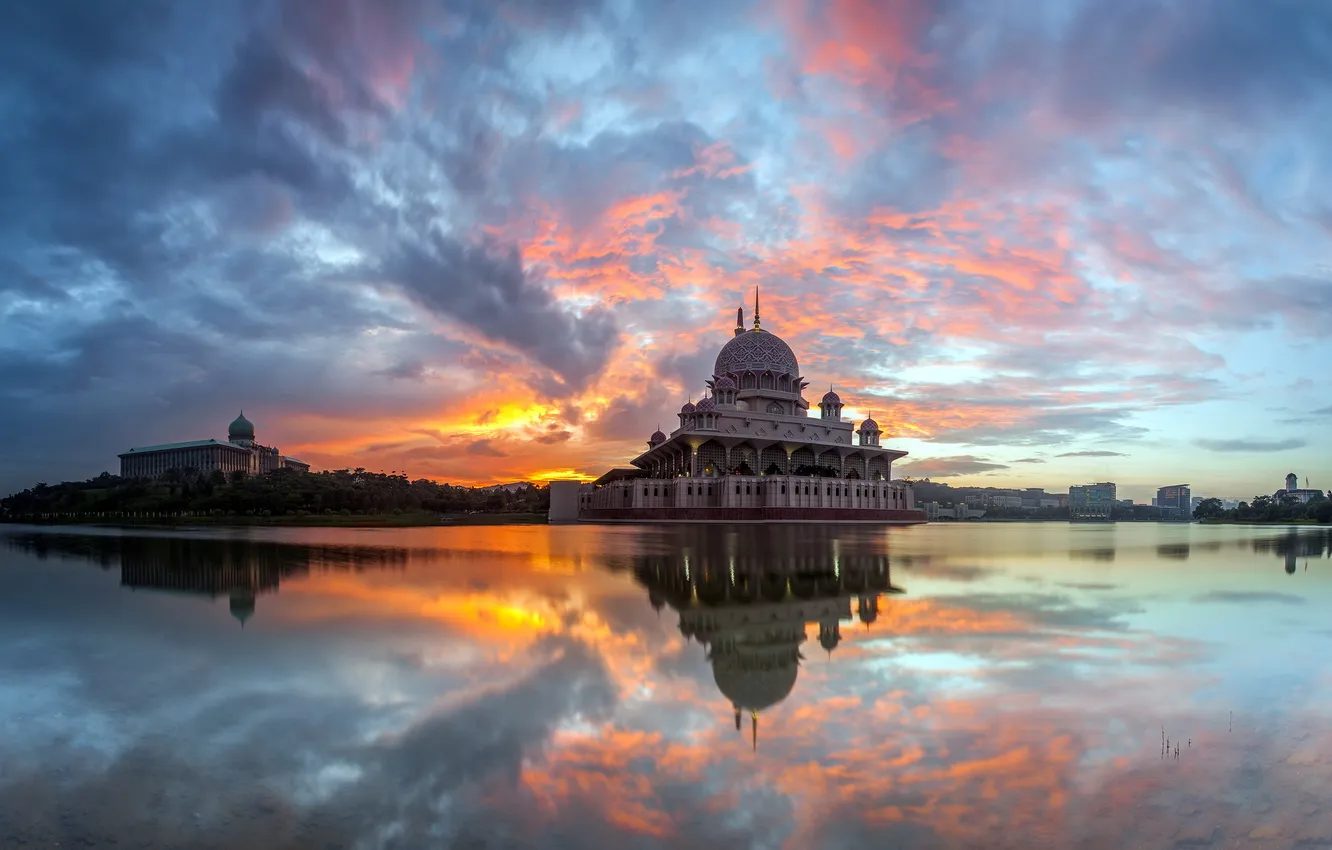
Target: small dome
(869,425)
(706,405)
(831,397)
(657,437)
(724,383)
(241,604)
(687,407)
(241,428)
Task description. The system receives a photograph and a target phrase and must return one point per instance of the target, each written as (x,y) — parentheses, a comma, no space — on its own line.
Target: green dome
(241,429)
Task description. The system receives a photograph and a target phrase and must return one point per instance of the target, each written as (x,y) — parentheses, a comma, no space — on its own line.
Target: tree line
(283,492)
(1284,508)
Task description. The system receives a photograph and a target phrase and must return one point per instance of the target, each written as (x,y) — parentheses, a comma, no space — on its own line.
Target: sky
(1044,243)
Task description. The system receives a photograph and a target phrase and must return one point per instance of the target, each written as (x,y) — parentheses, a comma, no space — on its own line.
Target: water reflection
(577,687)
(1297,544)
(239,569)
(749,609)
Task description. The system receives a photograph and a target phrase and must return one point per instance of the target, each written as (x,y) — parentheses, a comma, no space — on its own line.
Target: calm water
(1002,685)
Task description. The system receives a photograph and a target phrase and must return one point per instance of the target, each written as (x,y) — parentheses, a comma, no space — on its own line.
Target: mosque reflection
(239,570)
(750,603)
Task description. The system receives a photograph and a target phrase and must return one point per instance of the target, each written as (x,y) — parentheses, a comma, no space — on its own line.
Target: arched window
(783,489)
(766,381)
(748,381)
(737,489)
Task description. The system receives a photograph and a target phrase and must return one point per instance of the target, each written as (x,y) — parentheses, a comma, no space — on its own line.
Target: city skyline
(494,242)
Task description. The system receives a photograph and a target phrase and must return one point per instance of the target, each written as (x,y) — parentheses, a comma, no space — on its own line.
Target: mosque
(748,602)
(238,453)
(750,451)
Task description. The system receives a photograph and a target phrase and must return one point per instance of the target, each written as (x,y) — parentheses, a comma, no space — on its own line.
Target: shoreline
(309,521)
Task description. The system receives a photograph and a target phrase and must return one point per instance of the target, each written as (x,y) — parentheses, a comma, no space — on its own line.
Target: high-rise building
(1091,502)
(1175,500)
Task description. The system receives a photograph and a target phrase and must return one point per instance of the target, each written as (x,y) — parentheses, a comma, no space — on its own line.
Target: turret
(869,433)
(831,406)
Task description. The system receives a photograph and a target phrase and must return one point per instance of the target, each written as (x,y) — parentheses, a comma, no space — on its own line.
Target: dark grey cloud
(1029,460)
(1246,445)
(1093,453)
(487,288)
(948,467)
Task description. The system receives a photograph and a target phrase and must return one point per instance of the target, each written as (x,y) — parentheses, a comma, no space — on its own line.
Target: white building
(750,451)
(238,453)
(1294,490)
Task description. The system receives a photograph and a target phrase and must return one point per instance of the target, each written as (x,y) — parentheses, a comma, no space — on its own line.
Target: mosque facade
(751,450)
(240,452)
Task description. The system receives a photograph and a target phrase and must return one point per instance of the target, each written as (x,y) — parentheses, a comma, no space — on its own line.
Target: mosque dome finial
(756,350)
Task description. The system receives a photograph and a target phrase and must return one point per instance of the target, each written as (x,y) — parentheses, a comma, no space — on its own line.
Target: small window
(783,489)
(746,489)
(644,491)
(689,490)
(709,489)
(737,489)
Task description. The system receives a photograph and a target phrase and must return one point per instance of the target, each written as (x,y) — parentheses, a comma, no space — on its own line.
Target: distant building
(1175,500)
(1091,502)
(1293,489)
(935,512)
(238,453)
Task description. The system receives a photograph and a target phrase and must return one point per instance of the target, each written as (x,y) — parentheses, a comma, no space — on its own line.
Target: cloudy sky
(1044,242)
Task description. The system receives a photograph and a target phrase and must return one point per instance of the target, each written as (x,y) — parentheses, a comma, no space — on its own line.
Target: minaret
(756,309)
(754,718)
(739,320)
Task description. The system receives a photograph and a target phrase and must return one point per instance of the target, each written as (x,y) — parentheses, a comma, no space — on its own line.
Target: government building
(238,453)
(749,451)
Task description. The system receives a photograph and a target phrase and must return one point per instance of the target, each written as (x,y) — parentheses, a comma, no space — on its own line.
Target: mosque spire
(756,307)
(753,716)
(737,718)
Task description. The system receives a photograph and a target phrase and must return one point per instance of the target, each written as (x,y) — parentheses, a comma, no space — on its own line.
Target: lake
(1000,685)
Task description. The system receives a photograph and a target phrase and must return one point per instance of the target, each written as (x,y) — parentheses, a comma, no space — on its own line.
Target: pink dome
(687,407)
(831,397)
(724,383)
(706,405)
(869,425)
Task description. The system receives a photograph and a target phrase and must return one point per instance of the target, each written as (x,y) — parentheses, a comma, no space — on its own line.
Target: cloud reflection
(450,688)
